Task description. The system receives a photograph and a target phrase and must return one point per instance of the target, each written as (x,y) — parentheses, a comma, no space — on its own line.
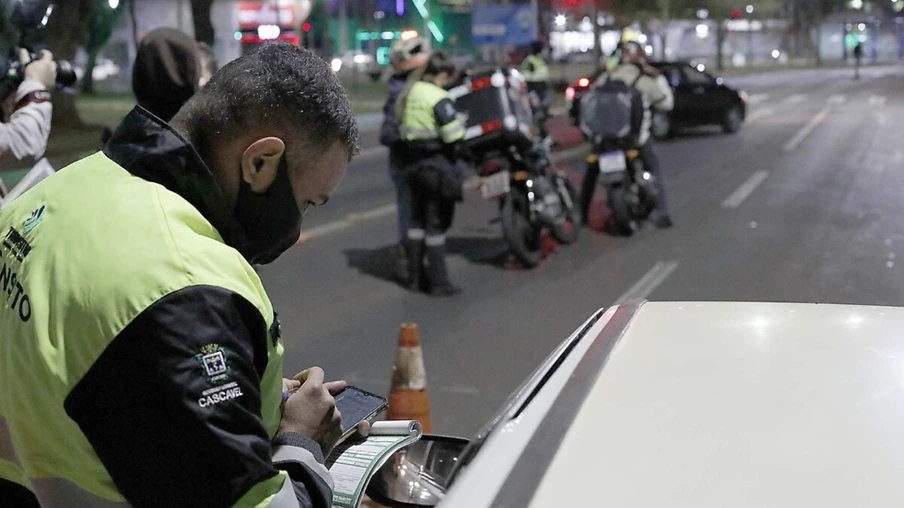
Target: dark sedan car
(700,99)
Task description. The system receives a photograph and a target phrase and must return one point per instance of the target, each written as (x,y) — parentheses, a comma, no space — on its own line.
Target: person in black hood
(169,68)
(167,71)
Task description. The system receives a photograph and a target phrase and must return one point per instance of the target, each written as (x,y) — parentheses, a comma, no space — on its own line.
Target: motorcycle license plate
(612,162)
(494,185)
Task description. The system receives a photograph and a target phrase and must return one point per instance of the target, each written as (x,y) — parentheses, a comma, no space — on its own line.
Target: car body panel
(706,405)
(482,479)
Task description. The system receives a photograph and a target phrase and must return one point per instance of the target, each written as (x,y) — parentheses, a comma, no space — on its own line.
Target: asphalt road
(805,203)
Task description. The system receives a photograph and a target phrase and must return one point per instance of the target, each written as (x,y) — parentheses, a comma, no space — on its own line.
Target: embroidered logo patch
(212,359)
(33,221)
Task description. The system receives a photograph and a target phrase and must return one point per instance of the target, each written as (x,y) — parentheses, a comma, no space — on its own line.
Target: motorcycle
(513,162)
(630,188)
(532,198)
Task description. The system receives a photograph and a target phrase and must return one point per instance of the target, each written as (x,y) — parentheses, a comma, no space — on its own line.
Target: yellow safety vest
(419,120)
(67,297)
(540,72)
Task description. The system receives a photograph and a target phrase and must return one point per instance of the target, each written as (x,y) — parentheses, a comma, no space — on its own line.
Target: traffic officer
(406,56)
(536,73)
(432,132)
(657,95)
(142,361)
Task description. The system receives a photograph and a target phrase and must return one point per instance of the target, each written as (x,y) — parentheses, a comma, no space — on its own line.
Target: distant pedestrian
(858,57)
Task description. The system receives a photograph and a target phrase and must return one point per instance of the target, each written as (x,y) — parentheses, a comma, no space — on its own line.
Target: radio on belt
(498,110)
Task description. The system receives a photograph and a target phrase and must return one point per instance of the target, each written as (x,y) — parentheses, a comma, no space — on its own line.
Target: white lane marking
(837,99)
(745,190)
(795,99)
(807,129)
(876,100)
(350,220)
(757,98)
(371,214)
(388,209)
(649,282)
(759,114)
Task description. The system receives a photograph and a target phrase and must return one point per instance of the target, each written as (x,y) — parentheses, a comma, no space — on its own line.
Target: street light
(113,3)
(560,20)
(749,9)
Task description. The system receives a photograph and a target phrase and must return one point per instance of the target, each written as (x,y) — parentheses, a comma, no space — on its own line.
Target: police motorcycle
(611,118)
(514,165)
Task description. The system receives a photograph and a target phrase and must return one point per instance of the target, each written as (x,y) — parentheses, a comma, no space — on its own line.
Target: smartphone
(356,406)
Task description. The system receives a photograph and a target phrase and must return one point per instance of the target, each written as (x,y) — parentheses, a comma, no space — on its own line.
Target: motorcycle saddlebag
(498,110)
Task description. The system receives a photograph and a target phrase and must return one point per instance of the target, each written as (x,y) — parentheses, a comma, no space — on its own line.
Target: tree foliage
(200,13)
(100,27)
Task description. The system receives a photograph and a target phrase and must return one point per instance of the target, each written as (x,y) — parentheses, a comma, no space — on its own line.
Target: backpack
(613,110)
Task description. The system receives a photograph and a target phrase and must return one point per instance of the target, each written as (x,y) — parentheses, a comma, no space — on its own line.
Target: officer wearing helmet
(405,56)
(657,95)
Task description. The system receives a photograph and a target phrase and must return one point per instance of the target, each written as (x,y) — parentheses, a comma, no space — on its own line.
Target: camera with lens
(29,17)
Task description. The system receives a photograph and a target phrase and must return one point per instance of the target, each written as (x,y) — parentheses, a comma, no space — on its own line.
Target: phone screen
(356,405)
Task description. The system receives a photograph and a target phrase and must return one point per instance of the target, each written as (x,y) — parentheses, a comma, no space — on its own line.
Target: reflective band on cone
(408,396)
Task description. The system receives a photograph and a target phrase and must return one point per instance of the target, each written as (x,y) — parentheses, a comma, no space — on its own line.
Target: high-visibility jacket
(535,69)
(430,115)
(140,360)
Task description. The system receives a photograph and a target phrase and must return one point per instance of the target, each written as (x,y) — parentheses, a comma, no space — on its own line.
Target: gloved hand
(42,69)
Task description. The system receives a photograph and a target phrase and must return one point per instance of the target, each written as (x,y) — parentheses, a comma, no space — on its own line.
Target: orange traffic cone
(408,394)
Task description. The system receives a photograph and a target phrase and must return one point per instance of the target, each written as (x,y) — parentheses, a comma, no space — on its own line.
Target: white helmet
(409,54)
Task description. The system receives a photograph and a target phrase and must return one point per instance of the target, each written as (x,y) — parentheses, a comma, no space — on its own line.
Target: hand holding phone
(357,407)
(311,410)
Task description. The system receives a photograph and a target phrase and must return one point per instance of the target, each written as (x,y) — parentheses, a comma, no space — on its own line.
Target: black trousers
(650,157)
(429,211)
(397,162)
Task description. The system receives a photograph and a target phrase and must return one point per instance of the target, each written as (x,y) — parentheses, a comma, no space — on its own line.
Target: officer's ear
(260,163)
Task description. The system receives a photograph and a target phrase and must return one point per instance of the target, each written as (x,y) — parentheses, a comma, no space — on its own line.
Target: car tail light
(583,82)
(569,93)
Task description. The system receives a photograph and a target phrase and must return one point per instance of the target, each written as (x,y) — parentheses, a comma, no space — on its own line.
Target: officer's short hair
(278,85)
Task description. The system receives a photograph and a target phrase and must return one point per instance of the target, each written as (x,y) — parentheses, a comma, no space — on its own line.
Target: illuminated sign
(255,14)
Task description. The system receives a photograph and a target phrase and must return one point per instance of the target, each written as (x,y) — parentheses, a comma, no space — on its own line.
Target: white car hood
(741,405)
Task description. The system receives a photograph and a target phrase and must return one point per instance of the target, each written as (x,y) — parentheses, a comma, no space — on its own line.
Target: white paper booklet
(353,462)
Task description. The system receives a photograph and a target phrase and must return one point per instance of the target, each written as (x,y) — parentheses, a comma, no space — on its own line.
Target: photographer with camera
(23,139)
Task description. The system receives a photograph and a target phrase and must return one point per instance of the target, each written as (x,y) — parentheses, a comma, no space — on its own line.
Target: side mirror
(417,476)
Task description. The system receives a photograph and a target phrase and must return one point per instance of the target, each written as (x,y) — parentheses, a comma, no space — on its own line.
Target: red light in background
(735,14)
(306,26)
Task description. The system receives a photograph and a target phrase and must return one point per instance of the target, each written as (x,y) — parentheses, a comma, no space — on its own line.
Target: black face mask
(271,220)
